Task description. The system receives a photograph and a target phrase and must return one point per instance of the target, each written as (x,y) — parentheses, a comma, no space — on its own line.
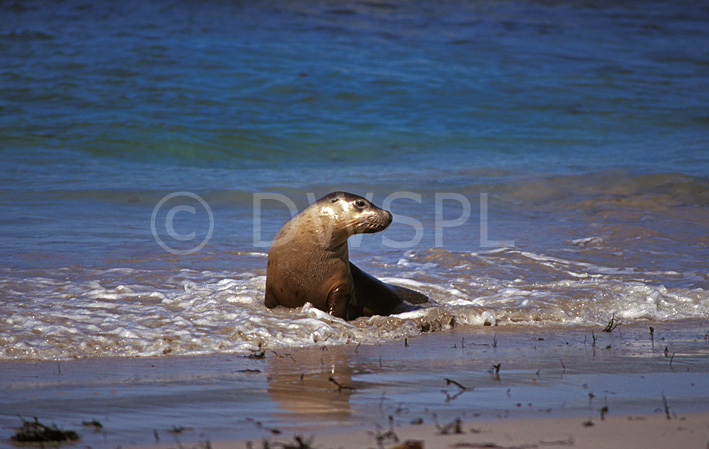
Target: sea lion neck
(331,240)
(341,251)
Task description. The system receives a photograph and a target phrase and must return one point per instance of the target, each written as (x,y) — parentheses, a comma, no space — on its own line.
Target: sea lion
(309,261)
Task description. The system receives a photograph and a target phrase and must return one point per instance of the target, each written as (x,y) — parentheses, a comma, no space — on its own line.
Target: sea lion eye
(361,204)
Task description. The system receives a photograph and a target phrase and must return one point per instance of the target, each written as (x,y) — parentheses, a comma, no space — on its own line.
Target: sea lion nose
(389,217)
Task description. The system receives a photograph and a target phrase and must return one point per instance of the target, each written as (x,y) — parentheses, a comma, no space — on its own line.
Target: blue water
(581,126)
(526,85)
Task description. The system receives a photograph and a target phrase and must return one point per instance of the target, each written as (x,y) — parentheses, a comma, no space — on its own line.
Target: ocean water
(546,163)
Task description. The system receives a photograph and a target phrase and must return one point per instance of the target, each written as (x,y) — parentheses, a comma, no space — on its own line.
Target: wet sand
(510,383)
(628,432)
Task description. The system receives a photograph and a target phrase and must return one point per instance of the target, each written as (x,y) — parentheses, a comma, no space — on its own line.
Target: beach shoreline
(486,376)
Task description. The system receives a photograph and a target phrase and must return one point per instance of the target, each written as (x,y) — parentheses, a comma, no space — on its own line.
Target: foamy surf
(130,312)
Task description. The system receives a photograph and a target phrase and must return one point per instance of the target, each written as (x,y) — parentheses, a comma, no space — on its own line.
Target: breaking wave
(129,312)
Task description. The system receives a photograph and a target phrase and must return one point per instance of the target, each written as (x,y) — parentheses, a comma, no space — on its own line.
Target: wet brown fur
(309,261)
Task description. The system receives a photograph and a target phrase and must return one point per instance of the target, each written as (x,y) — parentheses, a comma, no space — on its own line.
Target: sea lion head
(349,214)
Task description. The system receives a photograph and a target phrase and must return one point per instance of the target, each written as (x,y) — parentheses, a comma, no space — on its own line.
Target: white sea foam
(192,312)
(588,242)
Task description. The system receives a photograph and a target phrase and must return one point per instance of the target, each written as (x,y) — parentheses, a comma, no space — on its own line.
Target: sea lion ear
(333,197)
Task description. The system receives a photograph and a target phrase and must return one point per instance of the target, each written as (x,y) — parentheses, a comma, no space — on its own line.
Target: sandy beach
(629,432)
(507,386)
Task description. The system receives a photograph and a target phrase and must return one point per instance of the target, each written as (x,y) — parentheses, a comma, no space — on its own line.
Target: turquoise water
(555,87)
(573,133)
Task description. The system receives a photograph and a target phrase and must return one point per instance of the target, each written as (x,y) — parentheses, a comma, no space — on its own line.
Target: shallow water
(539,172)
(595,258)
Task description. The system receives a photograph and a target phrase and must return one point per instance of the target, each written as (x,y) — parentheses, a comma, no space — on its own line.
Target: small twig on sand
(95,424)
(260,425)
(612,324)
(299,443)
(340,387)
(495,371)
(454,427)
(381,437)
(462,390)
(410,444)
(667,407)
(451,381)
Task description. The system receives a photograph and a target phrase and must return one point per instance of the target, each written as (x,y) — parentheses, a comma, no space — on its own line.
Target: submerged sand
(507,386)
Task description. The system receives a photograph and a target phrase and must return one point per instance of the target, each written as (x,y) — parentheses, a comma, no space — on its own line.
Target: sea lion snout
(377,220)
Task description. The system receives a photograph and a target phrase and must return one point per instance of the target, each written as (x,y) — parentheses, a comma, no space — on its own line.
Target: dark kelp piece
(36,432)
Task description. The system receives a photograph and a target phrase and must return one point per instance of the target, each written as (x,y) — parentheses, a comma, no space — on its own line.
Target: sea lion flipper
(270,300)
(408,295)
(338,302)
(380,298)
